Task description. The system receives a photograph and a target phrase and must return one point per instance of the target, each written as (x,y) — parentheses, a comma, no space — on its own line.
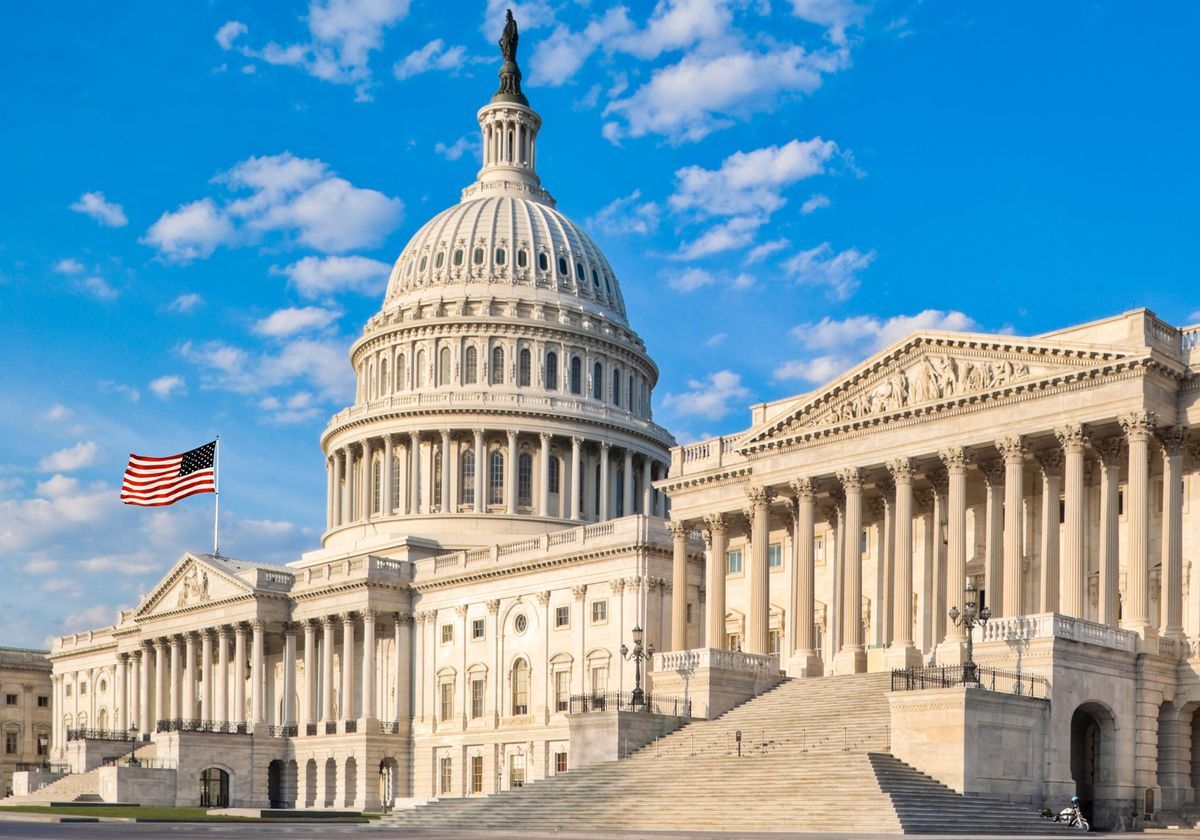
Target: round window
(103,686)
(521,623)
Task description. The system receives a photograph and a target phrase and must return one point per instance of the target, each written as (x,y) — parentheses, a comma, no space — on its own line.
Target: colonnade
(535,474)
(941,481)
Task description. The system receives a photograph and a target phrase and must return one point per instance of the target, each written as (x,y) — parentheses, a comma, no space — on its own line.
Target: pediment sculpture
(193,588)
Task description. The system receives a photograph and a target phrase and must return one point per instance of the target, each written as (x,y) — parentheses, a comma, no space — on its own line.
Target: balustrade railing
(212,726)
(44,767)
(100,735)
(310,729)
(351,727)
(389,727)
(730,660)
(991,679)
(144,763)
(1054,625)
(618,701)
(288,730)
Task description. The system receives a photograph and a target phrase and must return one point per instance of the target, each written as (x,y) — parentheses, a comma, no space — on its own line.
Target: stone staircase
(813,758)
(75,787)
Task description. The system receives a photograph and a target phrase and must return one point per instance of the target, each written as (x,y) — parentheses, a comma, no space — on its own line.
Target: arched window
(458,257)
(552,371)
(579,275)
(497,365)
(524,368)
(496,478)
(376,492)
(620,492)
(576,375)
(383,378)
(525,479)
(597,382)
(520,688)
(629,392)
(471,367)
(444,367)
(616,387)
(522,258)
(500,255)
(554,475)
(563,268)
(421,267)
(401,373)
(440,259)
(468,477)
(419,373)
(543,261)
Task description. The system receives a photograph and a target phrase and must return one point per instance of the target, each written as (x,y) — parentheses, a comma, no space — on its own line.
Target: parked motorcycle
(1072,815)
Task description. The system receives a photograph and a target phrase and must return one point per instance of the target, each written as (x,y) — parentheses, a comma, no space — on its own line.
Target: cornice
(493,573)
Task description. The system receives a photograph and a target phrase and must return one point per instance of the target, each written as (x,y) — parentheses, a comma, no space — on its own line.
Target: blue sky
(201,202)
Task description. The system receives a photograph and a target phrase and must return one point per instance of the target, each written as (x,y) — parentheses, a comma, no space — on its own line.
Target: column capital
(346,617)
(461,610)
(289,628)
(617,584)
(1138,425)
(576,441)
(901,470)
(579,592)
(493,606)
(954,459)
(802,489)
(758,497)
(678,529)
(1109,451)
(543,597)
(512,434)
(1050,460)
(939,481)
(605,446)
(123,656)
(1012,448)
(1072,437)
(993,471)
(258,625)
(404,618)
(544,437)
(851,479)
(223,632)
(445,434)
(715,523)
(1173,440)
(369,614)
(328,621)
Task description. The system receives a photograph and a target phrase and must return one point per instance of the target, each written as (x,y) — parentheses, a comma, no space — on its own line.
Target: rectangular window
(468,478)
(477,694)
(1062,511)
(560,763)
(496,479)
(599,680)
(1120,503)
(43,701)
(516,770)
(43,744)
(476,774)
(862,542)
(520,689)
(599,611)
(447,700)
(10,699)
(776,641)
(733,562)
(525,479)
(68,691)
(562,616)
(10,743)
(690,619)
(447,633)
(775,556)
(554,475)
(447,774)
(733,641)
(819,549)
(477,628)
(562,690)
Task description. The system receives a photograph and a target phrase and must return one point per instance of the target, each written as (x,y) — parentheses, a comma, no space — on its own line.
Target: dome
(505,246)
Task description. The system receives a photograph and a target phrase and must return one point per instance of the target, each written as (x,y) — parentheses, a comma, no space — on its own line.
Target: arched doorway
(351,782)
(214,788)
(1093,742)
(275,783)
(310,784)
(330,783)
(388,776)
(1194,720)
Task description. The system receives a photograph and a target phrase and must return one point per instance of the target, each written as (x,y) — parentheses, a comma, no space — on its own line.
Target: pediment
(192,582)
(928,370)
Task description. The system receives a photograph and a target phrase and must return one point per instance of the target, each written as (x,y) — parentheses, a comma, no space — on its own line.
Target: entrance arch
(310,784)
(351,782)
(1093,756)
(275,784)
(330,783)
(389,775)
(214,788)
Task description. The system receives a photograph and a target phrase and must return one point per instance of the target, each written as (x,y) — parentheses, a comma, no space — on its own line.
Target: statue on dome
(510,73)
(508,40)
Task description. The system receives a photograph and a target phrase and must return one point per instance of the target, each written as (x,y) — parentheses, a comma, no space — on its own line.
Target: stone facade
(25,712)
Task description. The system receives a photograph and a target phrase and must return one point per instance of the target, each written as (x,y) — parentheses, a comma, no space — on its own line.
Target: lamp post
(970,616)
(638,655)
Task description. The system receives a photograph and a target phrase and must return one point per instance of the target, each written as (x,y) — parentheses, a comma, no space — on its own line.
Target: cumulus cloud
(691,279)
(69,266)
(433,56)
(72,458)
(835,15)
(628,214)
(316,276)
(815,203)
(320,363)
(57,412)
(838,272)
(760,252)
(98,288)
(129,392)
(96,206)
(229,32)
(285,322)
(191,232)
(711,398)
(737,232)
(458,148)
(750,182)
(558,58)
(185,302)
(299,407)
(165,387)
(58,502)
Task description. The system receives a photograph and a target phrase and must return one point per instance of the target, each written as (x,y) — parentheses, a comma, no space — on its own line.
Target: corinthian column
(993,558)
(446,472)
(367,482)
(605,493)
(347,666)
(347,505)
(679,585)
(121,694)
(189,677)
(368,670)
(480,471)
(1050,461)
(1109,451)
(543,505)
(327,630)
(714,582)
(806,659)
(389,491)
(176,669)
(289,674)
(950,652)
(852,658)
(145,712)
(335,494)
(308,708)
(239,674)
(903,653)
(1013,449)
(627,485)
(758,634)
(206,675)
(257,672)
(574,484)
(222,681)
(1138,427)
(1171,600)
(511,489)
(1074,566)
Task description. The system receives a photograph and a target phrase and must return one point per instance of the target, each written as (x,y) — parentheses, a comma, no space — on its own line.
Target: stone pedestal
(951,652)
(713,680)
(902,656)
(805,663)
(607,736)
(850,661)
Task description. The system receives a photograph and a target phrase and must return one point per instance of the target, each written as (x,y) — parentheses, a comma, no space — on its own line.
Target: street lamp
(637,655)
(970,616)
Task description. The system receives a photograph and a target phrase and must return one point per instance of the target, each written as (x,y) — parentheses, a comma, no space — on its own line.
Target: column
(903,653)
(257,667)
(806,661)
(1074,564)
(335,495)
(627,485)
(347,486)
(604,491)
(308,706)
(575,482)
(881,511)
(852,657)
(144,701)
(714,582)
(543,506)
(347,666)
(135,690)
(647,488)
(1138,427)
(1050,461)
(404,623)
(176,671)
(368,669)
(414,473)
(122,710)
(679,585)
(160,677)
(954,459)
(1013,449)
(758,633)
(289,674)
(480,470)
(222,681)
(389,490)
(993,557)
(368,482)
(1109,450)
(446,471)
(1171,599)
(327,630)
(511,483)
(189,677)
(939,502)
(239,674)
(206,675)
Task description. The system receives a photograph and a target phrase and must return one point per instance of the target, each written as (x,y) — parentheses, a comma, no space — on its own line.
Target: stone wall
(607,736)
(147,787)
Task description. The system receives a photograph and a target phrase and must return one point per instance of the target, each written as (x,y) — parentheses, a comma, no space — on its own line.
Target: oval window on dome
(478,256)
(608,286)
(458,256)
(500,256)
(522,258)
(579,273)
(440,259)
(421,267)
(562,265)
(595,279)
(543,261)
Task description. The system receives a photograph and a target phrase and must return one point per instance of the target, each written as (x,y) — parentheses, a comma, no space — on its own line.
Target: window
(384,382)
(520,623)
(83,688)
(477,630)
(516,770)
(552,371)
(524,368)
(447,774)
(421,267)
(478,256)
(444,366)
(595,279)
(458,257)
(554,475)
(419,373)
(576,375)
(620,493)
(599,679)
(616,388)
(376,493)
(440,259)
(468,477)
(477,766)
(562,266)
(471,366)
(733,562)
(560,763)
(496,478)
(10,699)
(562,616)
(10,743)
(43,701)
(597,382)
(43,744)
(447,690)
(562,690)
(477,694)
(1121,502)
(543,262)
(68,690)
(522,258)
(520,688)
(776,641)
(599,611)
(775,556)
(447,633)
(862,542)
(690,619)
(579,275)
(525,479)
(733,641)
(497,365)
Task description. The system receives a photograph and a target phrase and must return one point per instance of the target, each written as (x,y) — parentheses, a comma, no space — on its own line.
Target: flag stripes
(154,482)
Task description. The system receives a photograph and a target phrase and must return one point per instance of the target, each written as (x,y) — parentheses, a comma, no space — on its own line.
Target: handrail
(950,676)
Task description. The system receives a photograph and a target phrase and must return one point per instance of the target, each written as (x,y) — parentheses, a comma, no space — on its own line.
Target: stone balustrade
(1055,625)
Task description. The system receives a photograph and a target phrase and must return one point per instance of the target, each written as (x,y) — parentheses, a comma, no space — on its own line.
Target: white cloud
(300,407)
(130,393)
(627,215)
(760,252)
(677,24)
(229,32)
(99,615)
(815,203)
(559,56)
(285,322)
(70,459)
(96,206)
(750,182)
(711,398)
(185,302)
(40,565)
(58,503)
(316,276)
(165,387)
(122,565)
(530,15)
(715,339)
(98,288)
(57,412)
(69,266)
(743,281)
(737,232)
(433,56)
(702,93)
(1194,317)
(691,279)
(191,232)
(820,266)
(459,147)
(322,363)
(836,15)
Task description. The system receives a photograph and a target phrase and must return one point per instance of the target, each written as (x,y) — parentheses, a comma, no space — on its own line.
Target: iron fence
(289,730)
(144,763)
(100,735)
(217,727)
(44,767)
(992,679)
(617,701)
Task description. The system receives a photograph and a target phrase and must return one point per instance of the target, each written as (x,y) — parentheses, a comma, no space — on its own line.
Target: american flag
(152,482)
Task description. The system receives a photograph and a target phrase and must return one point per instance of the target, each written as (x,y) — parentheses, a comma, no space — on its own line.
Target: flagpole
(216,495)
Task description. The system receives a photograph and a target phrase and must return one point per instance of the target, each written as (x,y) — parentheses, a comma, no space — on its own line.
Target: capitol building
(508,531)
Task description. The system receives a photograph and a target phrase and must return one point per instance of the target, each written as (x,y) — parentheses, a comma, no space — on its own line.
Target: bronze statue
(508,41)
(510,73)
